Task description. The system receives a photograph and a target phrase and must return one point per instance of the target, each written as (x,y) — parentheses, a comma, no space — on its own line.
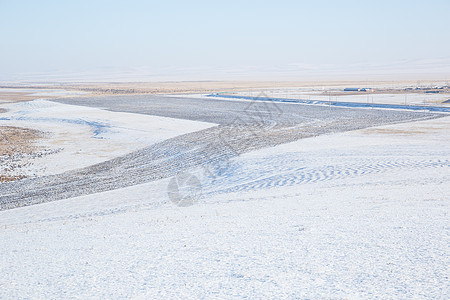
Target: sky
(221,39)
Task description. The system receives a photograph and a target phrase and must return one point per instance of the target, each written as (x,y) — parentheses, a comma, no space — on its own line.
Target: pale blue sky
(82,36)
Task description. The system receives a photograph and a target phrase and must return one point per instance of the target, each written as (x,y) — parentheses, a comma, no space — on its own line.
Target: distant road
(431,108)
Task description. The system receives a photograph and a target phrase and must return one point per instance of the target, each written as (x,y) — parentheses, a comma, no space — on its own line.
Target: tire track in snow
(327,173)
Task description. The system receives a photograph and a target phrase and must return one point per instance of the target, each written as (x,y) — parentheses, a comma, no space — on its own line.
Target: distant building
(357,89)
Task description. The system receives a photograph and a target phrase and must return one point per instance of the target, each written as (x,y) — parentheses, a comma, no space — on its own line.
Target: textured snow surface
(243,126)
(361,214)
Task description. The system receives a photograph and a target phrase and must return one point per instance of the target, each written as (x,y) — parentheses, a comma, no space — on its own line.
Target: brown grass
(9,178)
(6,96)
(15,141)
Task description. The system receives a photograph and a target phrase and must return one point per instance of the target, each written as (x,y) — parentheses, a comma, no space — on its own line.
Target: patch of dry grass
(7,96)
(15,142)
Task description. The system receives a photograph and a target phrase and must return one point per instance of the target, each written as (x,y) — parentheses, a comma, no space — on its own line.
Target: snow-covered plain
(359,214)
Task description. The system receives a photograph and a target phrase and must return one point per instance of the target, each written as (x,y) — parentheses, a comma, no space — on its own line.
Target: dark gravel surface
(243,126)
